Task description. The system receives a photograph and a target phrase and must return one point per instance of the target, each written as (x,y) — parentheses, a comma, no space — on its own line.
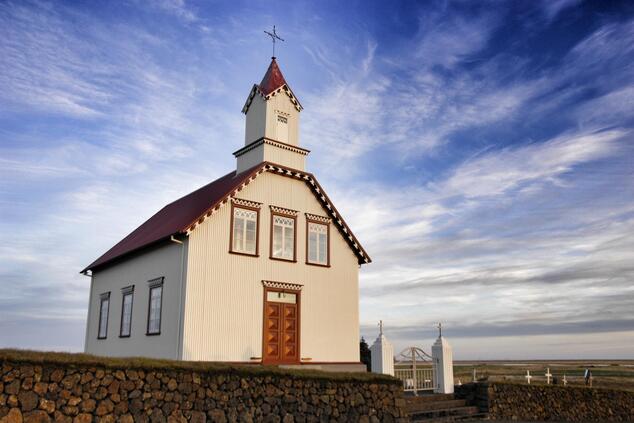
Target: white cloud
(552,8)
(178,8)
(475,242)
(446,38)
(499,172)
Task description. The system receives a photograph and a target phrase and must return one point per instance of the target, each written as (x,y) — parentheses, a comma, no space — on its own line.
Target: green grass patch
(74,360)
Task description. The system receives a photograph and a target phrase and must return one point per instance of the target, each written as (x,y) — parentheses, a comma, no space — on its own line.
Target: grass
(73,360)
(617,374)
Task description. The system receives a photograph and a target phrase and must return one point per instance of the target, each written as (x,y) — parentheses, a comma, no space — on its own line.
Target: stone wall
(507,401)
(82,389)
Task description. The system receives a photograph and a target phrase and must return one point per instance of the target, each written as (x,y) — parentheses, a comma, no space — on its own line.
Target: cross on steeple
(439,330)
(380,327)
(274,37)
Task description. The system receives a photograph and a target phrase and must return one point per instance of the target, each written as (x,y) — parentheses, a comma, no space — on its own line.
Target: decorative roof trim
(282,210)
(256,90)
(313,185)
(282,285)
(318,218)
(270,141)
(153,283)
(127,290)
(247,203)
(215,207)
(321,195)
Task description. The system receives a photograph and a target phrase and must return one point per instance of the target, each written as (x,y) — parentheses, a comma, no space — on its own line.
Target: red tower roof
(273,78)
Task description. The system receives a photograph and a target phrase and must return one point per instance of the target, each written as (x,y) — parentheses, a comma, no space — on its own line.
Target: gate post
(382,355)
(443,365)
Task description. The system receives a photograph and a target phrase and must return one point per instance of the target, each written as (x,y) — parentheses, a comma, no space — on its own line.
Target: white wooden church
(255,267)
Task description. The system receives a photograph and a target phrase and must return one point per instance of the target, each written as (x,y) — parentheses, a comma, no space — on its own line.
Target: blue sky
(482,152)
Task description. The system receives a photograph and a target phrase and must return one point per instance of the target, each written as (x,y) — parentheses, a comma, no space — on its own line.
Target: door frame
(298,303)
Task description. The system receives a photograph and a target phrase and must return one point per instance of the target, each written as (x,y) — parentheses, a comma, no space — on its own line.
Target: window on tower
(281,132)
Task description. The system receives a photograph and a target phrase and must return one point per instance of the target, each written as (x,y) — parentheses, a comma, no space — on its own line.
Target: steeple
(272,124)
(273,78)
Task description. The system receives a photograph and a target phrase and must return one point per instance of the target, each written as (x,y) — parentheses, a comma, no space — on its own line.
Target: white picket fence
(421,379)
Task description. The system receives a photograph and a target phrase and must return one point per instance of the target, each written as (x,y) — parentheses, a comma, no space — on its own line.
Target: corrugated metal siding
(255,120)
(284,157)
(249,159)
(164,261)
(223,309)
(270,153)
(281,102)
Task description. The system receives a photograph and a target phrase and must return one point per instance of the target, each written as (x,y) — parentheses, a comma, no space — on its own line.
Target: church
(257,267)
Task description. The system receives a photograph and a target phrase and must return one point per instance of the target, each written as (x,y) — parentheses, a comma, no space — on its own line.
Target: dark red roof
(174,218)
(273,78)
(182,215)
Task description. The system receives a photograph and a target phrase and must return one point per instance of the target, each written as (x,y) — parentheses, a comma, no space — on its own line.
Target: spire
(273,78)
(273,81)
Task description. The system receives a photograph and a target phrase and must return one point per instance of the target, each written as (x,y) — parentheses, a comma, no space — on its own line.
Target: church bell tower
(272,124)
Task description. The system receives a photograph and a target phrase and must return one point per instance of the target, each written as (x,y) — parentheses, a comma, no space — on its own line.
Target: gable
(318,192)
(257,91)
(183,215)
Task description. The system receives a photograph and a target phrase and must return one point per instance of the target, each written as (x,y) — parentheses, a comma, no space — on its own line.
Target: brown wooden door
(281,332)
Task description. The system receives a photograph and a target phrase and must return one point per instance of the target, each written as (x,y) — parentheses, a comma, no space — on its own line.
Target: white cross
(565,380)
(548,376)
(528,376)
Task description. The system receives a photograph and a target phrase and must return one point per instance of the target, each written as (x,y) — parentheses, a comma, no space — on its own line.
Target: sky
(482,152)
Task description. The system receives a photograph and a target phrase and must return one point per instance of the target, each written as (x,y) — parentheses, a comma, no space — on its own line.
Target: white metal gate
(416,380)
(416,371)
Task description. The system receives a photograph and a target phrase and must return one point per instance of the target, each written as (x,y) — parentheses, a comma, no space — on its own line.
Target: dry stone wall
(507,401)
(82,393)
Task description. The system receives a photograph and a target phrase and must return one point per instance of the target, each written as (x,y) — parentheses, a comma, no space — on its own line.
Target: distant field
(606,373)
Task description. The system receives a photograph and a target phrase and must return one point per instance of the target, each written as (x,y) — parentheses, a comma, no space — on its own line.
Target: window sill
(317,264)
(102,337)
(243,254)
(153,334)
(124,336)
(283,259)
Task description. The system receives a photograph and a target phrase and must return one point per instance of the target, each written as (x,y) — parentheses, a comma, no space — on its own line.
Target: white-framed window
(318,250)
(126,311)
(281,130)
(154,307)
(104,310)
(244,233)
(282,237)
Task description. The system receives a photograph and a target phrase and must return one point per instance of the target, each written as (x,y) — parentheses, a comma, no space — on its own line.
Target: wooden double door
(281,327)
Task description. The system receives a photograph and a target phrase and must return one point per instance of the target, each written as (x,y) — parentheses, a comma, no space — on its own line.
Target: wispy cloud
(178,8)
